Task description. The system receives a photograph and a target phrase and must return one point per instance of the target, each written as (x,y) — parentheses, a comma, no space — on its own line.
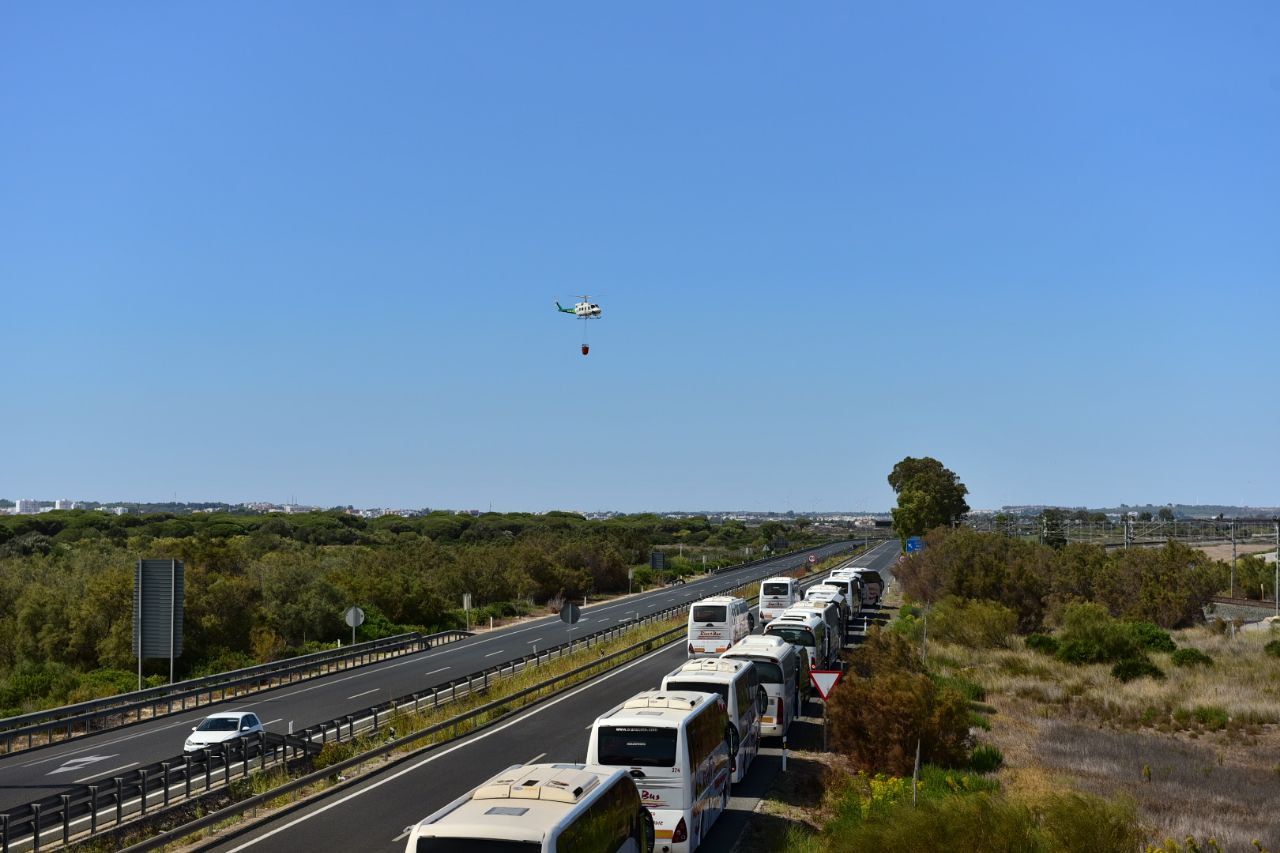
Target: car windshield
(796,636)
(777,589)
(708,613)
(219,724)
(636,746)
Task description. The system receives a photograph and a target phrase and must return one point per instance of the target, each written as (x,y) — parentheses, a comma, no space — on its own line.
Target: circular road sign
(570,613)
(813,558)
(353,616)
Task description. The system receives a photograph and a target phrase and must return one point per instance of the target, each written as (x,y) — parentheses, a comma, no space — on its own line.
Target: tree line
(263,587)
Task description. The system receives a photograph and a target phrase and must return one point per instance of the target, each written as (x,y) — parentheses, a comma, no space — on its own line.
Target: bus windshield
(721,690)
(794,635)
(636,746)
(708,613)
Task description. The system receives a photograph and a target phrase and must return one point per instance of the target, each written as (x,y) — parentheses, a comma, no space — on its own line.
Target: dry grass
(1065,726)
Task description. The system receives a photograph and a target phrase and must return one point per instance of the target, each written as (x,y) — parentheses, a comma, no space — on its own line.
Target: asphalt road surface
(34,774)
(376,813)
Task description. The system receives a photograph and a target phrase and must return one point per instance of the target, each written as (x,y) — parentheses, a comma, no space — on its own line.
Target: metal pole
(173,604)
(137,618)
(1277,580)
(1232,593)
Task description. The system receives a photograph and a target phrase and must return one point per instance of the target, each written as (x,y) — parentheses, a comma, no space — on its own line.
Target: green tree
(1165,514)
(929,495)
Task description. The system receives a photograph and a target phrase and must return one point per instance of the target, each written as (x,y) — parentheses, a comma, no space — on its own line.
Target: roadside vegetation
(260,588)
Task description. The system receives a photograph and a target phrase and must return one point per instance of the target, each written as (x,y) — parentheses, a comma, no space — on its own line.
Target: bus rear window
(769,672)
(708,613)
(721,690)
(782,589)
(794,636)
(636,746)
(476,845)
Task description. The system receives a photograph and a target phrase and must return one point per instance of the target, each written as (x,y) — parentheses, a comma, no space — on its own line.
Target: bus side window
(605,825)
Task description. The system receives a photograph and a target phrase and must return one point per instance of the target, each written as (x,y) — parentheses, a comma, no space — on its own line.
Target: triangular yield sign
(824,680)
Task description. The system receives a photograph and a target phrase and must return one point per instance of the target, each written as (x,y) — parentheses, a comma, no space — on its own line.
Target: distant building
(64,504)
(26,507)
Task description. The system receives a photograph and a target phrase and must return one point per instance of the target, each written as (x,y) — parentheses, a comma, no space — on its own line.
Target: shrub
(1212,717)
(1090,635)
(1042,643)
(1272,648)
(878,721)
(972,623)
(1150,637)
(970,690)
(986,758)
(1191,657)
(1136,667)
(886,652)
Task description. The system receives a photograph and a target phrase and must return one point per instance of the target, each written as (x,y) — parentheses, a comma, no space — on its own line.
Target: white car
(219,728)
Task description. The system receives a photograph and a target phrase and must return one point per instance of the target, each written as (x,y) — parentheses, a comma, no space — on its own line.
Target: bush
(1137,667)
(1191,657)
(1150,637)
(878,721)
(972,623)
(886,652)
(1042,643)
(1272,648)
(1212,717)
(986,758)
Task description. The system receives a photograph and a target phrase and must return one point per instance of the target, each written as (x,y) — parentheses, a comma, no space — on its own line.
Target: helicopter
(585,309)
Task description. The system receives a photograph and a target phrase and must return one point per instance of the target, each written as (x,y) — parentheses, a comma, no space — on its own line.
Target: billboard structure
(157,611)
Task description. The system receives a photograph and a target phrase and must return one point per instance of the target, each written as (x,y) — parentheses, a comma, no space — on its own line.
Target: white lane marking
(269,722)
(491,654)
(63,755)
(77,764)
(437,755)
(535,640)
(402,836)
(441,669)
(366,693)
(102,773)
(534,760)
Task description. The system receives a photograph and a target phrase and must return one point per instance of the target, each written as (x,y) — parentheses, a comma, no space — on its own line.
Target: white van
(676,745)
(547,808)
(776,595)
(805,629)
(735,682)
(780,668)
(717,623)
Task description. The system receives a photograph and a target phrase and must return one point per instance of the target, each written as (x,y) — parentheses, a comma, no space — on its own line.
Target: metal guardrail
(58,725)
(109,808)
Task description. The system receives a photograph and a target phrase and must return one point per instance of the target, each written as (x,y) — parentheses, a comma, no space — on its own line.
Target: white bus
(849,583)
(737,683)
(776,595)
(782,669)
(872,582)
(805,629)
(541,808)
(832,615)
(678,747)
(717,623)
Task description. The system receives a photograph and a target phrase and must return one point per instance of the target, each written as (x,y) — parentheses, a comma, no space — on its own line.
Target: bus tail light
(691,649)
(782,720)
(681,833)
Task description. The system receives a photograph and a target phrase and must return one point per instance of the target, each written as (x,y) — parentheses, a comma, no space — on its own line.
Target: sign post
(824,681)
(354,617)
(157,611)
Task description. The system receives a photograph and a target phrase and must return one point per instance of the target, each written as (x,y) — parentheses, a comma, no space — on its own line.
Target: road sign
(914,543)
(824,680)
(570,613)
(813,558)
(353,616)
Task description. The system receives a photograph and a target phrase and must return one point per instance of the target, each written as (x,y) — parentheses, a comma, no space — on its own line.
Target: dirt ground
(1223,552)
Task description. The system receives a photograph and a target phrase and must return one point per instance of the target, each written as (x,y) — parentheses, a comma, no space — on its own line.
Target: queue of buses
(660,766)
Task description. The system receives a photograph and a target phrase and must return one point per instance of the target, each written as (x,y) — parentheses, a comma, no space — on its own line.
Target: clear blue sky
(255,250)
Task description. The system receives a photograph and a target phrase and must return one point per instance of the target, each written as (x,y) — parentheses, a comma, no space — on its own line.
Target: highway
(375,813)
(34,774)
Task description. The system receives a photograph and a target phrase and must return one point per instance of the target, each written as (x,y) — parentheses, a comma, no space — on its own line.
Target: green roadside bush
(986,758)
(878,721)
(1272,648)
(1191,657)
(971,622)
(1090,635)
(1133,668)
(1042,643)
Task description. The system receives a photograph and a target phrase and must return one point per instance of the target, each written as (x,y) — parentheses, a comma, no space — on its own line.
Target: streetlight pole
(1233,559)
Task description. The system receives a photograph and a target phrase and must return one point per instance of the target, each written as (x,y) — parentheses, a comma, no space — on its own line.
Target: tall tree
(929,495)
